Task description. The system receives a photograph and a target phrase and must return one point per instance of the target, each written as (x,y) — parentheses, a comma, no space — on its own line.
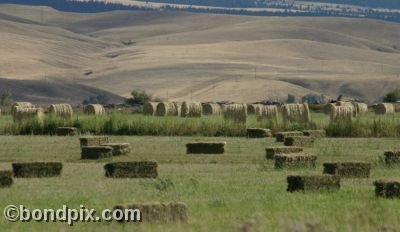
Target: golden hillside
(201,56)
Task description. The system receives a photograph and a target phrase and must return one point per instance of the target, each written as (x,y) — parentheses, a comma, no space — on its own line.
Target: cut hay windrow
(37,169)
(150,108)
(66,131)
(267,112)
(341,114)
(191,109)
(258,133)
(118,148)
(387,188)
(61,110)
(26,114)
(159,212)
(236,113)
(94,109)
(212,109)
(315,133)
(348,169)
(205,148)
(6,178)
(272,151)
(392,157)
(168,109)
(93,140)
(20,105)
(299,141)
(295,160)
(299,113)
(280,136)
(96,152)
(134,169)
(313,183)
(384,108)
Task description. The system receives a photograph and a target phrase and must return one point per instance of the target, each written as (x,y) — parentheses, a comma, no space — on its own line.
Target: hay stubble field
(221,191)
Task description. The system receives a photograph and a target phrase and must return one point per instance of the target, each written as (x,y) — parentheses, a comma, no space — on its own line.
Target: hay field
(220,191)
(200,57)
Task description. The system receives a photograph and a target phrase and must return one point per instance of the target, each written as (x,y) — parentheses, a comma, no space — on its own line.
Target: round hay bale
(236,112)
(296,113)
(149,108)
(167,109)
(342,113)
(212,109)
(22,114)
(94,109)
(359,108)
(269,112)
(384,108)
(178,106)
(61,110)
(191,109)
(396,106)
(21,105)
(253,108)
(344,103)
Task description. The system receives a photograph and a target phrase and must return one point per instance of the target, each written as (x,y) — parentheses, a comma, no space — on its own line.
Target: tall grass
(119,123)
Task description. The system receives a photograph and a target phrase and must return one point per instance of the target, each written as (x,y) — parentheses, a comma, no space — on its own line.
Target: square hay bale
(90,141)
(387,188)
(298,160)
(348,169)
(66,131)
(6,178)
(119,148)
(96,152)
(392,157)
(258,133)
(315,133)
(205,148)
(272,151)
(135,169)
(280,136)
(37,169)
(300,141)
(160,212)
(313,183)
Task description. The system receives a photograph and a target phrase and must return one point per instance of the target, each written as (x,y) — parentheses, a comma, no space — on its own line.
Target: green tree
(314,98)
(138,98)
(392,96)
(291,98)
(6,97)
(99,99)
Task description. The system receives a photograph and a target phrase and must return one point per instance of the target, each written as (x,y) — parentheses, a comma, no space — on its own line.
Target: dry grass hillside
(199,56)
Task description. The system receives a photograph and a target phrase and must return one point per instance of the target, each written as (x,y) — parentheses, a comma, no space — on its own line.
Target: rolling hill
(204,57)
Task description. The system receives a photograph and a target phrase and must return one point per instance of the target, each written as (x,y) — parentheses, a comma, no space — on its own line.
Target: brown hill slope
(202,57)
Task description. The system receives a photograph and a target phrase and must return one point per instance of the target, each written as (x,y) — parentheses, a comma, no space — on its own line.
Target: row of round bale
(300,113)
(347,111)
(235,112)
(22,111)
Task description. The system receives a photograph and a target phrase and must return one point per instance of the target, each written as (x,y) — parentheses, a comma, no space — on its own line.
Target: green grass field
(220,191)
(123,123)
